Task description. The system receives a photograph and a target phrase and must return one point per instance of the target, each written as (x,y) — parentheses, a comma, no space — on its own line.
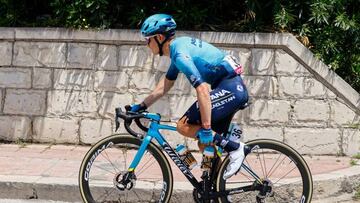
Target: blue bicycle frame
(153,132)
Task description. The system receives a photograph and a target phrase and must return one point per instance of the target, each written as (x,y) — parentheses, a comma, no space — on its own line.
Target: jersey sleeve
(186,65)
(172,73)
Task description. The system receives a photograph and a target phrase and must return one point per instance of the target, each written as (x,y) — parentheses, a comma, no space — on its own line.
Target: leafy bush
(330,28)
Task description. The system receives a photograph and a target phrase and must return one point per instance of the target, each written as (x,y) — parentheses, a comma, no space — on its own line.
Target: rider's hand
(205,136)
(138,107)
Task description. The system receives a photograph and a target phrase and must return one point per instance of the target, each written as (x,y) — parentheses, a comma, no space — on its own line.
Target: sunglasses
(148,39)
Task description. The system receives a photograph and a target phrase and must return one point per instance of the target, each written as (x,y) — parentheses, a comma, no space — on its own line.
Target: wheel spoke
(277,166)
(270,171)
(103,169)
(277,163)
(262,169)
(100,174)
(105,194)
(106,156)
(143,168)
(285,175)
(264,162)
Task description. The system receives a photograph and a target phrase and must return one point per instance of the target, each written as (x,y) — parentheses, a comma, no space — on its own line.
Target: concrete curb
(328,185)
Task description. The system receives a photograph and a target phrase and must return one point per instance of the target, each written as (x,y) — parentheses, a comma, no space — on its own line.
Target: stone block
(144,82)
(257,132)
(311,111)
(301,87)
(93,130)
(243,56)
(161,106)
(263,62)
(13,128)
(261,86)
(15,77)
(179,105)
(188,33)
(272,39)
(42,78)
(1,99)
(181,86)
(161,63)
(43,54)
(56,130)
(25,102)
(73,79)
(106,58)
(342,115)
(243,39)
(104,36)
(7,33)
(269,111)
(111,81)
(351,141)
(108,101)
(81,55)
(5,53)
(135,56)
(326,75)
(71,103)
(242,116)
(330,94)
(322,141)
(287,65)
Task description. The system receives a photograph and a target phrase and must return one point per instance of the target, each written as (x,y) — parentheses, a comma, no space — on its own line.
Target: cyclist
(201,63)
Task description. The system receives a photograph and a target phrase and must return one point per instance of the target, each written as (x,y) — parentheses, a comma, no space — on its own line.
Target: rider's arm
(187,66)
(203,96)
(160,90)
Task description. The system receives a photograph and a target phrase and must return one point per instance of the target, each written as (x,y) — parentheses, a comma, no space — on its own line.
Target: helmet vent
(156,23)
(168,19)
(147,26)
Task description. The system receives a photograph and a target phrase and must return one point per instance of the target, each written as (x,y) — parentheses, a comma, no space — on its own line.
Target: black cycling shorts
(227,98)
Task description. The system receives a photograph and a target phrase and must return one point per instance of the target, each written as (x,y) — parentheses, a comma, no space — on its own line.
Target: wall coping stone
(285,41)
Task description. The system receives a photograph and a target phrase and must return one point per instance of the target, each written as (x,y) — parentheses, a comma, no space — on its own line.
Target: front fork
(127,180)
(140,153)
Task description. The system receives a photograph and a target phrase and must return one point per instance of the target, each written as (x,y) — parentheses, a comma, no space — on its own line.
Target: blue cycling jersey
(199,61)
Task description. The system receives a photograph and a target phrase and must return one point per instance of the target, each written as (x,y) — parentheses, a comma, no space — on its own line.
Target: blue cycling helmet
(158,24)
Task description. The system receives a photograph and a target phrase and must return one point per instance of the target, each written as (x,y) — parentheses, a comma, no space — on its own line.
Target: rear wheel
(104,175)
(285,176)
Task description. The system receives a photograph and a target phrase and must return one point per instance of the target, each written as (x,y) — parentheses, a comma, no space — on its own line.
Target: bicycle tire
(283,192)
(91,188)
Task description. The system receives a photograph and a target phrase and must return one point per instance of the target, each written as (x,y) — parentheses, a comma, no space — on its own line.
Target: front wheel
(284,176)
(104,175)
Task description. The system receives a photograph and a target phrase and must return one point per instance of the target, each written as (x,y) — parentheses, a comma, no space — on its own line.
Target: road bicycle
(134,168)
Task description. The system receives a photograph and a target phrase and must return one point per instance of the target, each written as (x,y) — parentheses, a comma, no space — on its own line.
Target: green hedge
(330,28)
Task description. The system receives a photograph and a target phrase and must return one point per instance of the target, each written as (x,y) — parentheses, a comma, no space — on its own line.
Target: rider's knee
(186,129)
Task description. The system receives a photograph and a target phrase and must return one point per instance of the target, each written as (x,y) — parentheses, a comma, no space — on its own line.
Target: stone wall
(61,86)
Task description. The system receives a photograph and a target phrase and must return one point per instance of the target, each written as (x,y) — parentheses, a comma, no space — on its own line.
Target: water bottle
(186,156)
(208,155)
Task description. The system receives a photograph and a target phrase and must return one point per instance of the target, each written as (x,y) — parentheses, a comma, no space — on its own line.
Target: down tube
(174,156)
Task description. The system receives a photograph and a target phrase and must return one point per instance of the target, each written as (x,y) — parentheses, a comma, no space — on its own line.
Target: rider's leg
(226,99)
(237,151)
(189,130)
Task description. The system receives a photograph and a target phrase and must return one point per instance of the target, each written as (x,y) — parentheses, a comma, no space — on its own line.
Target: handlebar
(129,116)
